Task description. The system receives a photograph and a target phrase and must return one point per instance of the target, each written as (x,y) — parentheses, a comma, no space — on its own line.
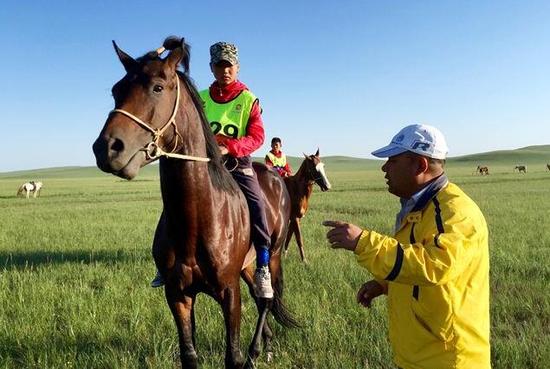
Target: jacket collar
(430,191)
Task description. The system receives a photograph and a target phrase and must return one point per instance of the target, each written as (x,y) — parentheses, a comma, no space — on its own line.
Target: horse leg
(181,307)
(231,305)
(275,306)
(267,334)
(291,231)
(264,307)
(193,324)
(254,349)
(300,241)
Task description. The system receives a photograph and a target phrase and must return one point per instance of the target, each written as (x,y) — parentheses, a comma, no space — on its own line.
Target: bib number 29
(229,129)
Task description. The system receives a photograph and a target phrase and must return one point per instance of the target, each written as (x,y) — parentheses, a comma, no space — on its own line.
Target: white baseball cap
(418,138)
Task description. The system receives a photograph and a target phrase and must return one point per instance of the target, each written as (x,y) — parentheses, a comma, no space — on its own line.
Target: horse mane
(219,175)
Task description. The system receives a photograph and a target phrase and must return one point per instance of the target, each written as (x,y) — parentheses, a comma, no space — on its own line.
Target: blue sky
(343,76)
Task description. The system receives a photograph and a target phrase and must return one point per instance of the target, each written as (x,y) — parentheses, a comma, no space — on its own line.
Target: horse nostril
(117,145)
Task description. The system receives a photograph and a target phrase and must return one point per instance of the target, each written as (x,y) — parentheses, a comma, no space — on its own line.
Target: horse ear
(317,153)
(305,155)
(174,58)
(127,61)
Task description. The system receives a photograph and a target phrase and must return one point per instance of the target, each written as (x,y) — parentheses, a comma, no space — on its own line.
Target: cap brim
(388,151)
(216,61)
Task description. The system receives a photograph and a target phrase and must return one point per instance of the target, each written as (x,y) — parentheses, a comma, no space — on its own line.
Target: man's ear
(423,165)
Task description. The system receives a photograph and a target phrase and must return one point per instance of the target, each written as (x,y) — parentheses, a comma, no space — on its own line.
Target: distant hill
(539,154)
(525,155)
(65,172)
(338,163)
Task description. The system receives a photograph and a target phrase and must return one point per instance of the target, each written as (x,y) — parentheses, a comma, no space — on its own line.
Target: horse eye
(158,89)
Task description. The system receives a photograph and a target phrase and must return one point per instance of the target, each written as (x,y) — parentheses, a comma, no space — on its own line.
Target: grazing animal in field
(300,187)
(30,187)
(520,168)
(203,235)
(482,170)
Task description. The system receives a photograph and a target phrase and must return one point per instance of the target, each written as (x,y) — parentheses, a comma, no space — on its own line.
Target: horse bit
(152,149)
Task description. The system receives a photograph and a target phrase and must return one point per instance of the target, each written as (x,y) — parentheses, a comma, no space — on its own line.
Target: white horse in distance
(30,187)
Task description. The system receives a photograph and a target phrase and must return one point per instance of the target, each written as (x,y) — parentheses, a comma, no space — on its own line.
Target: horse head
(315,170)
(142,125)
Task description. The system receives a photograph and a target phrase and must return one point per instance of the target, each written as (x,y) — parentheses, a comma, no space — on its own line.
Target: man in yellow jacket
(435,267)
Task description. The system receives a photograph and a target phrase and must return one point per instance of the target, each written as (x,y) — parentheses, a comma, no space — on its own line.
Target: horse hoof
(249,364)
(269,357)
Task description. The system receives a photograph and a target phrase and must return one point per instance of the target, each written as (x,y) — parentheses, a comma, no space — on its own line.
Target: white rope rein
(152,149)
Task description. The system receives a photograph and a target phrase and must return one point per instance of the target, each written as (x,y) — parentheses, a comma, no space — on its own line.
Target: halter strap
(152,149)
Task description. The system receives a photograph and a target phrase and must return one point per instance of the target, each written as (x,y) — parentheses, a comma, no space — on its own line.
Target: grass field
(75,267)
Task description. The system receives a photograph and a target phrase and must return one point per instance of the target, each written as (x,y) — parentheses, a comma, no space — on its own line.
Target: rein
(152,149)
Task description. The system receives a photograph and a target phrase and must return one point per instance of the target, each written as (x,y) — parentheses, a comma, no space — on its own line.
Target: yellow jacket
(436,269)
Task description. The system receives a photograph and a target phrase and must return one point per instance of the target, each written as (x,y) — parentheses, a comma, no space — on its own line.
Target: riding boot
(262,283)
(158,281)
(262,276)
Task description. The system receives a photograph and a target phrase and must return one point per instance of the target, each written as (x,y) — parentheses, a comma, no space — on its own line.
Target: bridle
(152,149)
(314,174)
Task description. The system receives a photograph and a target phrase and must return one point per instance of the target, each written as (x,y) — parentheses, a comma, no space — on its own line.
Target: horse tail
(280,312)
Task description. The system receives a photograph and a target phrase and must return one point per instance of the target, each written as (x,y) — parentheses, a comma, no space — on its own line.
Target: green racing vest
(277,162)
(231,118)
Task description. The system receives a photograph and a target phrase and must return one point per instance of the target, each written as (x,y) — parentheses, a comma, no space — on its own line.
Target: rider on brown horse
(276,159)
(202,240)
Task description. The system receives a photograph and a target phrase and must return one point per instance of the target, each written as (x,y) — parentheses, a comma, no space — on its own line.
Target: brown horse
(482,170)
(520,168)
(203,235)
(548,166)
(300,187)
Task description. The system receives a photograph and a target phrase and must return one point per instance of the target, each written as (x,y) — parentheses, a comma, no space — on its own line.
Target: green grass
(75,266)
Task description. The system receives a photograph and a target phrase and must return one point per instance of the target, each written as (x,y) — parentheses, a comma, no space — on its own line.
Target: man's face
(276,146)
(224,72)
(401,171)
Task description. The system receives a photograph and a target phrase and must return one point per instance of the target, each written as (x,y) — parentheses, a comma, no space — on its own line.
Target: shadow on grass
(87,350)
(26,259)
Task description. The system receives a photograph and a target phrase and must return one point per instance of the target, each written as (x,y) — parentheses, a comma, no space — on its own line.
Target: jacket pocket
(432,311)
